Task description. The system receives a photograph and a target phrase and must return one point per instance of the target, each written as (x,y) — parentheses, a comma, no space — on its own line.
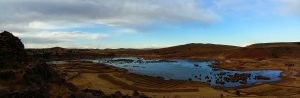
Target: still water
(192,70)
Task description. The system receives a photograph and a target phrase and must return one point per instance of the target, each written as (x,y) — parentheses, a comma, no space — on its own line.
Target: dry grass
(57,91)
(148,85)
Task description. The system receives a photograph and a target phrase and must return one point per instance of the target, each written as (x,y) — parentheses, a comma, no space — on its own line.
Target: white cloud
(132,14)
(127,31)
(63,45)
(42,25)
(58,37)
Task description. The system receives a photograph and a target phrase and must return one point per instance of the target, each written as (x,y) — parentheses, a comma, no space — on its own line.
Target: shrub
(7,75)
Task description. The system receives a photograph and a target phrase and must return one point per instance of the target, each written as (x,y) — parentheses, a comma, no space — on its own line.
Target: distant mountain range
(194,50)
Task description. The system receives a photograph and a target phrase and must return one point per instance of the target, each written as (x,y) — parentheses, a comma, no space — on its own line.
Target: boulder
(12,53)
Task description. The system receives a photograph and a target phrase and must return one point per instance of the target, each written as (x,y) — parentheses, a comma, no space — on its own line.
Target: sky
(149,23)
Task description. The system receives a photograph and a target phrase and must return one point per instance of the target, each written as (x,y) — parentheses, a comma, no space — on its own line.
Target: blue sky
(150,23)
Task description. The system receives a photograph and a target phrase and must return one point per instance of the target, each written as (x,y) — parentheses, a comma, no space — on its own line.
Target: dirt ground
(110,79)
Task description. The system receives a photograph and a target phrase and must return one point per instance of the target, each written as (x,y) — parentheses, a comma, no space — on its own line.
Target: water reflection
(57,62)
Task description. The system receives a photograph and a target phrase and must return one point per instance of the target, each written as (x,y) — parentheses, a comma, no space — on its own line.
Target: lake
(192,70)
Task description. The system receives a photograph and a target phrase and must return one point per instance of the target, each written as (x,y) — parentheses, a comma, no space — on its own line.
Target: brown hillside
(194,50)
(280,44)
(268,50)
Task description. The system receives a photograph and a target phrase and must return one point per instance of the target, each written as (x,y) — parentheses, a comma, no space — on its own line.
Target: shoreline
(163,87)
(230,90)
(213,66)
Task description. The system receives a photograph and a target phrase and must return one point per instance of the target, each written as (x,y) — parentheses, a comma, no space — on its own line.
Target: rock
(135,93)
(238,93)
(117,94)
(261,78)
(12,51)
(6,75)
(27,79)
(94,93)
(242,78)
(91,93)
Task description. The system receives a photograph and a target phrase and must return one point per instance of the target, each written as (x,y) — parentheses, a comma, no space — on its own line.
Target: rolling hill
(268,50)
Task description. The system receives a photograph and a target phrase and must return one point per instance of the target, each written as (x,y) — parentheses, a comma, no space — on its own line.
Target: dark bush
(7,75)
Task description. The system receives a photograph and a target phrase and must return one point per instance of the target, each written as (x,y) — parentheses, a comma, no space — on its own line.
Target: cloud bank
(39,21)
(31,15)
(40,16)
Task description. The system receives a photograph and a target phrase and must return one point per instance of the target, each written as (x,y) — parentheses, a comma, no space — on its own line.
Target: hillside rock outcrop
(12,51)
(23,78)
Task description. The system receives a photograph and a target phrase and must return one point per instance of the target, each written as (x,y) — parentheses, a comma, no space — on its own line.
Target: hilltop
(278,44)
(268,50)
(194,50)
